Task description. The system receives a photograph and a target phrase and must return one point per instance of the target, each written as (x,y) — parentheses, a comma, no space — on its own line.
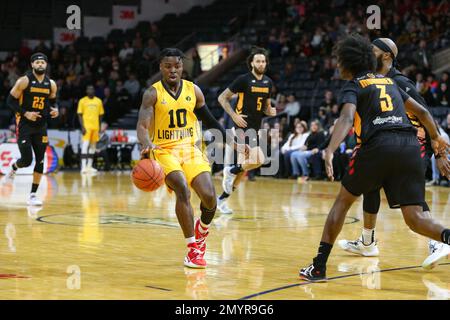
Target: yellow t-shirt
(91,110)
(175,122)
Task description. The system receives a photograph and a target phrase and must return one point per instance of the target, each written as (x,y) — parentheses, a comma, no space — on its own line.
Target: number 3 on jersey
(38,103)
(385,99)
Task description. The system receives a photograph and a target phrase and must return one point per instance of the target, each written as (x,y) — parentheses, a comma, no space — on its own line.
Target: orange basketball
(147,175)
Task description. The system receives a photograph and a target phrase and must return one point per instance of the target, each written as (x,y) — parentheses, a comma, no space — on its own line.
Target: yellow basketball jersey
(175,122)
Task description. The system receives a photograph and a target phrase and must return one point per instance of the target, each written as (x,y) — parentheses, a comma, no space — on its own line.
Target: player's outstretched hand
(145,152)
(54,113)
(440,146)
(328,157)
(32,115)
(443,165)
(239,120)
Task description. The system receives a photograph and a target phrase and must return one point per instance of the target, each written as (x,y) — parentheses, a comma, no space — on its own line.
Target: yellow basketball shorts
(91,135)
(188,159)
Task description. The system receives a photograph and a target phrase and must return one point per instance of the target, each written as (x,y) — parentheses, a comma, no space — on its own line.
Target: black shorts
(29,135)
(371,201)
(391,160)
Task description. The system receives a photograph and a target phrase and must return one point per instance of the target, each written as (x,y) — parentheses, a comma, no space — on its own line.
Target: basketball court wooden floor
(101,238)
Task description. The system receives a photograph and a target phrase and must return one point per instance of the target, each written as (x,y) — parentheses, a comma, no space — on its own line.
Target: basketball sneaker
(313,273)
(12,174)
(33,200)
(228,180)
(200,237)
(223,207)
(358,247)
(194,258)
(92,170)
(438,251)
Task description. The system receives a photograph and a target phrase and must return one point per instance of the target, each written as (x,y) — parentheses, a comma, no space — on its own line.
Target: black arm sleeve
(13,103)
(208,119)
(53,103)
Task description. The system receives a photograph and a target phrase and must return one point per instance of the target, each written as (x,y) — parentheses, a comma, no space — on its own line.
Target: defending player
(386,51)
(389,153)
(253,90)
(167,129)
(33,98)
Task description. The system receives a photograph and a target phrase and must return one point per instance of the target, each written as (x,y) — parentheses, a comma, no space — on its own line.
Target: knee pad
(39,167)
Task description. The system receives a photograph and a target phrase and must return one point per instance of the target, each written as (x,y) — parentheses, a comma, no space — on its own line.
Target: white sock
(84,151)
(203,227)
(190,240)
(91,155)
(368,236)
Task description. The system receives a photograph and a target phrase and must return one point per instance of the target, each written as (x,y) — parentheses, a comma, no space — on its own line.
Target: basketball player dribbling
(167,129)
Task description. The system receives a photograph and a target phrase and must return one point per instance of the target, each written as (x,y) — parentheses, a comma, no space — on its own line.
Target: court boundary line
(329,279)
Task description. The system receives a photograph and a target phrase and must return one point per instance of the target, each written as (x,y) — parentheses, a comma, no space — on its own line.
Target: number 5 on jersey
(38,103)
(385,99)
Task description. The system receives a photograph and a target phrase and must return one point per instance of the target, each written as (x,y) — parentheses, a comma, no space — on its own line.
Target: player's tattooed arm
(145,120)
(54,112)
(14,97)
(438,143)
(341,129)
(224,100)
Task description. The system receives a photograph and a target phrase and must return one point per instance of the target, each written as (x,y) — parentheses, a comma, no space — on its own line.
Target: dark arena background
(87,232)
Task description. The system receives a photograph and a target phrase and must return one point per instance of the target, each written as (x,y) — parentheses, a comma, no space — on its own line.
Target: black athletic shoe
(312,273)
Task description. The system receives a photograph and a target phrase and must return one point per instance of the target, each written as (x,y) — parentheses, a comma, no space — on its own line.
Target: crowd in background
(120,71)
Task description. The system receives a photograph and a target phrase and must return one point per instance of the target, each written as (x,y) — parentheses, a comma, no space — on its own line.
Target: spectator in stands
(332,115)
(443,95)
(327,70)
(291,109)
(280,103)
(328,100)
(126,52)
(151,52)
(436,177)
(310,153)
(294,143)
(323,117)
(422,57)
(445,78)
(197,64)
(274,45)
(132,85)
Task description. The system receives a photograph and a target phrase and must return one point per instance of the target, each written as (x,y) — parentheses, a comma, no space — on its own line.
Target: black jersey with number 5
(379,105)
(252,97)
(35,98)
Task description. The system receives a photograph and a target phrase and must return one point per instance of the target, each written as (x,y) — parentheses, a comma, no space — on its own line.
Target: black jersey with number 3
(379,105)
(252,97)
(35,98)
